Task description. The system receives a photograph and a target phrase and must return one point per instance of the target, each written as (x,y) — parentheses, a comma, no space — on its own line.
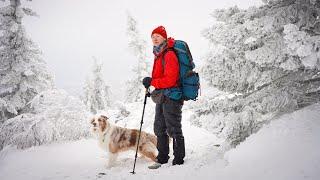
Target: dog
(115,139)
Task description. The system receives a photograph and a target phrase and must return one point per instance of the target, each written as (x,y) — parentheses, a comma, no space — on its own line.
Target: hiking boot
(177,162)
(155,165)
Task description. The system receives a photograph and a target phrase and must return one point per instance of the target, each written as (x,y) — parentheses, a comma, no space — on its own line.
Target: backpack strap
(163,61)
(163,54)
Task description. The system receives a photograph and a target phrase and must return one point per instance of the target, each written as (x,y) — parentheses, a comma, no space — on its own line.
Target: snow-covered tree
(96,92)
(53,115)
(269,57)
(23,72)
(87,90)
(32,112)
(135,90)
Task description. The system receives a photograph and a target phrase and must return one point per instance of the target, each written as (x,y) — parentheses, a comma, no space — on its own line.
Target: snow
(301,44)
(23,71)
(287,148)
(52,115)
(259,66)
(250,40)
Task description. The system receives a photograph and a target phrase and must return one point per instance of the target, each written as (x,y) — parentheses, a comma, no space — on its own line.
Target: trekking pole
(144,106)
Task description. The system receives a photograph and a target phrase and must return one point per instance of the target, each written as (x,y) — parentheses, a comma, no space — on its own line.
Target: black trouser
(168,122)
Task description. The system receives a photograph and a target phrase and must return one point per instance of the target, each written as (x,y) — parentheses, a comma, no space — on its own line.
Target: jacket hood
(170,42)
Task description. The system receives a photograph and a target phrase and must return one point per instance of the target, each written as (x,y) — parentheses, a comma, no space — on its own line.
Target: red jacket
(169,76)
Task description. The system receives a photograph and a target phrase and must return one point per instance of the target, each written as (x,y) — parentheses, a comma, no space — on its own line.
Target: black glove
(146,82)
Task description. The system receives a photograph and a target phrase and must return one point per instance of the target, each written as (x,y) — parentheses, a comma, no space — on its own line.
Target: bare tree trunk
(15,3)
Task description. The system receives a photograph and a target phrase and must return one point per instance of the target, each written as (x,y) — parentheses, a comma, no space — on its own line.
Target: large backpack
(189,80)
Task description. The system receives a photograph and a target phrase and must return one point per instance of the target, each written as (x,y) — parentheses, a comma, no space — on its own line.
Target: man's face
(157,39)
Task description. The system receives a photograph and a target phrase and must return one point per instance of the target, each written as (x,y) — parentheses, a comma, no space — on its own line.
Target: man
(165,78)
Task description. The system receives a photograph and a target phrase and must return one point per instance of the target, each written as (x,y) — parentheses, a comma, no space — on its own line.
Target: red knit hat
(160,30)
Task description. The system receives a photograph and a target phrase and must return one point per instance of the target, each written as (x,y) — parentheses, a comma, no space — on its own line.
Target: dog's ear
(104,117)
(92,121)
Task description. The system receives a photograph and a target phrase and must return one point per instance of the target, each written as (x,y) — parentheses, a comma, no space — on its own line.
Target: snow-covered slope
(287,148)
(84,160)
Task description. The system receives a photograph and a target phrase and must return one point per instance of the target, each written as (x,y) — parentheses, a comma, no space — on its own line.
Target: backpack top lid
(178,45)
(183,52)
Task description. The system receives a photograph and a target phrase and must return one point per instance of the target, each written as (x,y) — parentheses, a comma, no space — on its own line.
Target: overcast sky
(70,32)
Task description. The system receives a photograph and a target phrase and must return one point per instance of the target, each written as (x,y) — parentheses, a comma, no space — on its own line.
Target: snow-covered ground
(287,148)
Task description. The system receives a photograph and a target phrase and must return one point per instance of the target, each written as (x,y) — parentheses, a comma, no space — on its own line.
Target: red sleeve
(171,72)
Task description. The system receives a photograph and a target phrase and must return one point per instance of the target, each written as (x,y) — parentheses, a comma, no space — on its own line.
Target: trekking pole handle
(147,93)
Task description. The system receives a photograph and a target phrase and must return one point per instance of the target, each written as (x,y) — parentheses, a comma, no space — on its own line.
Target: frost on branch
(23,72)
(269,57)
(52,116)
